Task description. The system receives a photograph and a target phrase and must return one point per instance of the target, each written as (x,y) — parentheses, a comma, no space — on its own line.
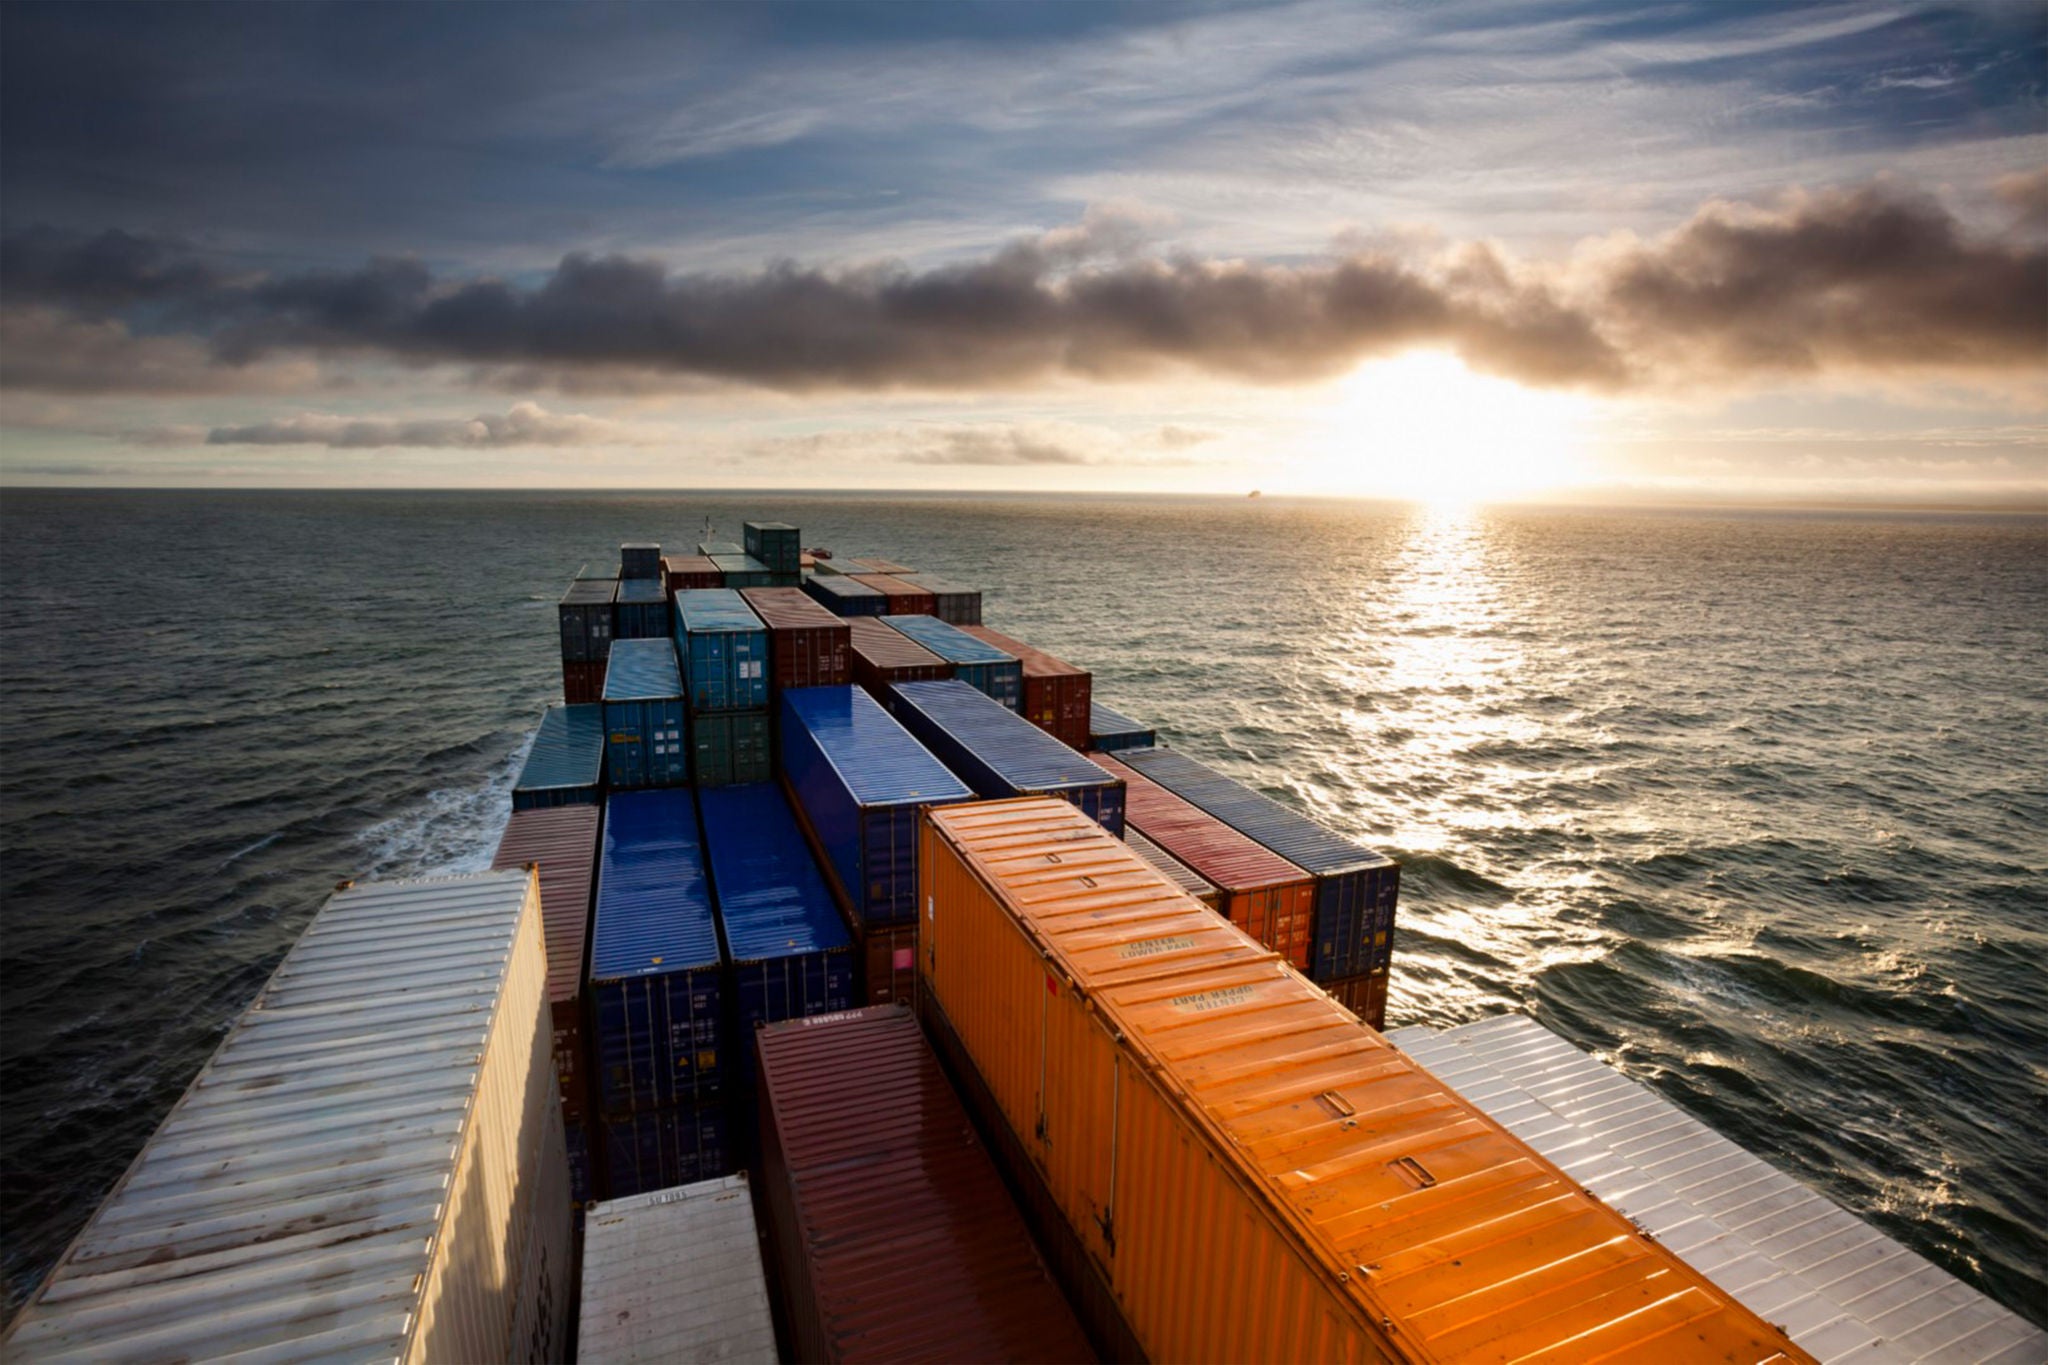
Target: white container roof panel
(675,1275)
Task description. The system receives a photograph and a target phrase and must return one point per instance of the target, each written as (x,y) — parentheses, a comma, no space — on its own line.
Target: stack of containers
(660,1053)
(1356,888)
(586,619)
(882,656)
(790,954)
(715,548)
(1259,891)
(724,649)
(1057,696)
(642,609)
(639,561)
(676,1275)
(843,596)
(1112,731)
(686,572)
(565,766)
(857,782)
(894,1233)
(901,599)
(561,842)
(876,566)
(998,753)
(955,605)
(777,545)
(743,571)
(807,645)
(1170,867)
(643,717)
(977,663)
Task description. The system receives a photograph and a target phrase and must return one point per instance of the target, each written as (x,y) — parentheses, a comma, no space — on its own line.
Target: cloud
(1048,444)
(46,350)
(995,446)
(2026,194)
(527,424)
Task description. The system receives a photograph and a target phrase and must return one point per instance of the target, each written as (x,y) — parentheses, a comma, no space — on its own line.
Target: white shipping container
(675,1275)
(371,1167)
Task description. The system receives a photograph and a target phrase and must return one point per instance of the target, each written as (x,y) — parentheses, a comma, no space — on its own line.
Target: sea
(1753,804)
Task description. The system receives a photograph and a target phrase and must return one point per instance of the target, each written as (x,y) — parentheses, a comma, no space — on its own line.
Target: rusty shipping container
(1172,868)
(951,603)
(1056,694)
(882,656)
(690,573)
(561,841)
(904,600)
(895,1236)
(807,645)
(1261,892)
(1248,1171)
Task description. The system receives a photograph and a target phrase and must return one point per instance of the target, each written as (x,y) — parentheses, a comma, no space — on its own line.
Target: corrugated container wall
(1251,1173)
(882,656)
(977,663)
(725,651)
(1170,867)
(369,1168)
(728,747)
(643,717)
(586,618)
(951,603)
(903,598)
(1111,731)
(894,1234)
(807,645)
(998,753)
(641,610)
(688,572)
(657,1149)
(1056,694)
(562,842)
(639,561)
(565,766)
(675,1275)
(842,596)
(775,543)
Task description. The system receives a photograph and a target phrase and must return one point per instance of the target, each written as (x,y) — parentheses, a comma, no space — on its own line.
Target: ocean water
(1754,805)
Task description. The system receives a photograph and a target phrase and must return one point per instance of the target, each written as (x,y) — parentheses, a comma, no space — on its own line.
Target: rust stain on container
(1057,695)
(1254,1173)
(904,598)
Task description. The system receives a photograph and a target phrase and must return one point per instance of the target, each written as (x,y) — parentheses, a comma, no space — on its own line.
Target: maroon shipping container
(690,572)
(884,655)
(1056,694)
(876,566)
(1261,892)
(562,841)
(904,600)
(895,1235)
(1364,996)
(888,956)
(1173,869)
(583,682)
(807,645)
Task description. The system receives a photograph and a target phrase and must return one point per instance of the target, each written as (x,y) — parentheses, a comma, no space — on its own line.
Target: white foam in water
(450,830)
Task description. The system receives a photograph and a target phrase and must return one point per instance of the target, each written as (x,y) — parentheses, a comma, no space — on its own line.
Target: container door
(1076,1133)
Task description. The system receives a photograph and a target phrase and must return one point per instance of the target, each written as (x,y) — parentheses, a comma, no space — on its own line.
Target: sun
(1423,426)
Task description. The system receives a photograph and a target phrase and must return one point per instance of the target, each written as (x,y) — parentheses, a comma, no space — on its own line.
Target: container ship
(852,984)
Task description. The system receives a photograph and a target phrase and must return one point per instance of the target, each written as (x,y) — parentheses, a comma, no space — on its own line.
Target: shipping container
(586,619)
(951,603)
(776,544)
(998,753)
(712,549)
(583,683)
(744,571)
(790,954)
(872,565)
(562,843)
(882,656)
(1364,996)
(807,645)
(894,1235)
(1250,1172)
(902,598)
(1170,867)
(675,1275)
(831,566)
(690,572)
(657,1149)
(641,611)
(843,596)
(1356,888)
(724,648)
(977,663)
(1261,892)
(583,1172)
(654,959)
(639,561)
(859,780)
(888,963)
(371,1167)
(565,766)
(1111,731)
(729,747)
(643,717)
(1056,696)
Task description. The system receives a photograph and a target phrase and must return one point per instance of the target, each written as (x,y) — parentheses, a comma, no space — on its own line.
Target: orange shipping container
(1056,694)
(1248,1171)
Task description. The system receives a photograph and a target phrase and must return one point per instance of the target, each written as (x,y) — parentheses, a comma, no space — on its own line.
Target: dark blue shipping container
(1355,887)
(586,614)
(724,648)
(641,610)
(729,747)
(977,663)
(639,561)
(860,780)
(774,543)
(565,767)
(654,959)
(662,1148)
(999,753)
(790,953)
(582,1180)
(1112,731)
(643,716)
(842,596)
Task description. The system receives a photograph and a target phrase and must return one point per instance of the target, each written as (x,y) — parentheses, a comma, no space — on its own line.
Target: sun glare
(1423,426)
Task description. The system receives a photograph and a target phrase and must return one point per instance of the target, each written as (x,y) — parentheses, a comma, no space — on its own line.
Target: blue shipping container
(790,953)
(843,597)
(642,609)
(643,716)
(729,747)
(1112,731)
(654,958)
(565,766)
(661,1148)
(860,780)
(977,663)
(1356,888)
(586,616)
(724,648)
(639,561)
(999,753)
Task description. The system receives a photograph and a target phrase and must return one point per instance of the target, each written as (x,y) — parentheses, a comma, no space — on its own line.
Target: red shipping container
(882,655)
(689,572)
(562,842)
(1364,996)
(583,682)
(888,956)
(807,645)
(1056,694)
(904,600)
(1262,893)
(896,1238)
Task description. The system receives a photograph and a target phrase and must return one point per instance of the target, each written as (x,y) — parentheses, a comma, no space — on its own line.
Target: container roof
(771,898)
(948,641)
(881,763)
(676,1275)
(568,750)
(706,610)
(563,841)
(653,905)
(1027,757)
(642,670)
(1288,833)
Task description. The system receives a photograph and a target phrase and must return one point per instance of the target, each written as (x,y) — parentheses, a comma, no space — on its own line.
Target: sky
(1449,251)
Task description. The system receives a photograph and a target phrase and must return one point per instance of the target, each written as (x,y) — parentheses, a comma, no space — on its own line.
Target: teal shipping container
(565,766)
(730,747)
(724,650)
(709,548)
(639,561)
(643,716)
(975,662)
(745,571)
(776,544)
